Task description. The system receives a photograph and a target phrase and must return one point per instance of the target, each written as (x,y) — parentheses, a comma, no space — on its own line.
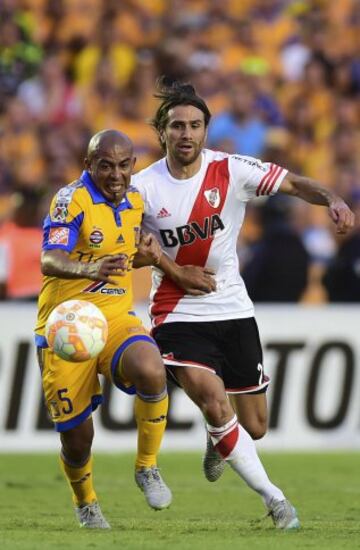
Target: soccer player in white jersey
(203,319)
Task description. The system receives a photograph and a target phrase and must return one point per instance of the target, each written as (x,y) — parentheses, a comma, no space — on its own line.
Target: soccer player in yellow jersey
(91,239)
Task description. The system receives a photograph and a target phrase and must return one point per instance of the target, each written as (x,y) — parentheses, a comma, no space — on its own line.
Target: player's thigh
(243,374)
(142,361)
(72,390)
(125,331)
(206,390)
(251,411)
(194,361)
(190,347)
(243,371)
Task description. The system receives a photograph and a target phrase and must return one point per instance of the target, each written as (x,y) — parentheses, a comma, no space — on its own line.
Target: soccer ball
(76,331)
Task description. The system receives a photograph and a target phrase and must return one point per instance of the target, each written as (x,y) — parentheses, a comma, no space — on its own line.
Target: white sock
(236,446)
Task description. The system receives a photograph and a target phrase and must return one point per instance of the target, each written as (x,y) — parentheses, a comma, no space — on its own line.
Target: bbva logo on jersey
(186,234)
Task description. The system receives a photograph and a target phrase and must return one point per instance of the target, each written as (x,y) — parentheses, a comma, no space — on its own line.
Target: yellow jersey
(87,226)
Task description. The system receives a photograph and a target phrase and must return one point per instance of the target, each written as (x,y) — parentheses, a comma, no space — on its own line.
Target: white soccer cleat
(90,516)
(283,514)
(157,493)
(213,463)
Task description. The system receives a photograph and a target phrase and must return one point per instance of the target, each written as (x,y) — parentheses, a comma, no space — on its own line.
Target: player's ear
(206,133)
(86,163)
(133,163)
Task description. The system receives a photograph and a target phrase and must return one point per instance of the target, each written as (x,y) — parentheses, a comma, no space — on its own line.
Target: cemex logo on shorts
(101,286)
(59,235)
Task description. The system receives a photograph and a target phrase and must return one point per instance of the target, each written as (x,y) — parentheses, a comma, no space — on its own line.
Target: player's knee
(151,374)
(256,429)
(214,408)
(77,444)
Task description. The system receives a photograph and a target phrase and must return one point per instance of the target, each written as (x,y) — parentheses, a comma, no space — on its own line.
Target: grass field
(36,512)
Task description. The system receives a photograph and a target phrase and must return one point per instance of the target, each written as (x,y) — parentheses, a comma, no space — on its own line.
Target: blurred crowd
(281,78)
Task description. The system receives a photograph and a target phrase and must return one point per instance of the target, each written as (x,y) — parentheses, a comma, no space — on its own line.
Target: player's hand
(105,268)
(195,280)
(342,216)
(149,251)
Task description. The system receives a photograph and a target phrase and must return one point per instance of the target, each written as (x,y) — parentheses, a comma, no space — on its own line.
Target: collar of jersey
(98,197)
(188,180)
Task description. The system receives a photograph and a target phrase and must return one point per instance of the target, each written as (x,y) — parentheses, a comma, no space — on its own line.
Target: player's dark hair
(173,93)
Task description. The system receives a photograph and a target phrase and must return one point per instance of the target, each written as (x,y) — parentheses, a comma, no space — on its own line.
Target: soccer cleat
(213,464)
(90,516)
(283,514)
(157,493)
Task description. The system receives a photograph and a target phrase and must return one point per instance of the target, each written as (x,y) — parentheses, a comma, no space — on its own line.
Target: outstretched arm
(311,191)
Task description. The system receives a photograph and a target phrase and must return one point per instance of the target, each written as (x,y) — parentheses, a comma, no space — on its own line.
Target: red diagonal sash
(168,294)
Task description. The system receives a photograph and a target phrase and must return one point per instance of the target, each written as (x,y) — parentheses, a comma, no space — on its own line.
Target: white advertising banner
(312,355)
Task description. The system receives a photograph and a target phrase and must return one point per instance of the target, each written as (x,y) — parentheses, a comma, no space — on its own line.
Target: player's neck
(181,172)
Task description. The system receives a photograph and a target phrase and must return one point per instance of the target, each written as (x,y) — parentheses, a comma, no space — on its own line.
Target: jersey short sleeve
(135,197)
(253,178)
(61,227)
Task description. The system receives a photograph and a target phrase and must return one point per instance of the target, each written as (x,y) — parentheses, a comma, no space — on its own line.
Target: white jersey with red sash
(197,222)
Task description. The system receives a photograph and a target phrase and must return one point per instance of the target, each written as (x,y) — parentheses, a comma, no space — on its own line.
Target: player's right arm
(57,263)
(253,178)
(62,228)
(311,191)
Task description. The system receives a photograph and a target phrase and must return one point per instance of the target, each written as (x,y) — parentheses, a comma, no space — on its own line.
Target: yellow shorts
(72,390)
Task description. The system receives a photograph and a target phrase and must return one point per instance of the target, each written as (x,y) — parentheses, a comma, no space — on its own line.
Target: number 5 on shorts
(69,408)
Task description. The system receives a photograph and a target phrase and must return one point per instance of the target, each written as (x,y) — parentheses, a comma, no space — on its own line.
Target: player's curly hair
(172,93)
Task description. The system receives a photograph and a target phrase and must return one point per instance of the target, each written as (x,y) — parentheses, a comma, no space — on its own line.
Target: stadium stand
(288,69)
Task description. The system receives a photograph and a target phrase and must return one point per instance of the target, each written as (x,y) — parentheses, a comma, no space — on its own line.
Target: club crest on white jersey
(213,197)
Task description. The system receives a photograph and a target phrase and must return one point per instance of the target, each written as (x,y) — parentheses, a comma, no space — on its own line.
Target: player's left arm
(195,280)
(311,191)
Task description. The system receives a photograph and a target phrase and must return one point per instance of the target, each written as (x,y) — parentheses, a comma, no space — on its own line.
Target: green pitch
(36,511)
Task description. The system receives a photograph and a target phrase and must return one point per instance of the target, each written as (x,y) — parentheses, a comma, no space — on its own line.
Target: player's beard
(185,159)
(116,196)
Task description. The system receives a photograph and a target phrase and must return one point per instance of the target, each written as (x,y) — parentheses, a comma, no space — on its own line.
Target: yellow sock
(151,423)
(80,480)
